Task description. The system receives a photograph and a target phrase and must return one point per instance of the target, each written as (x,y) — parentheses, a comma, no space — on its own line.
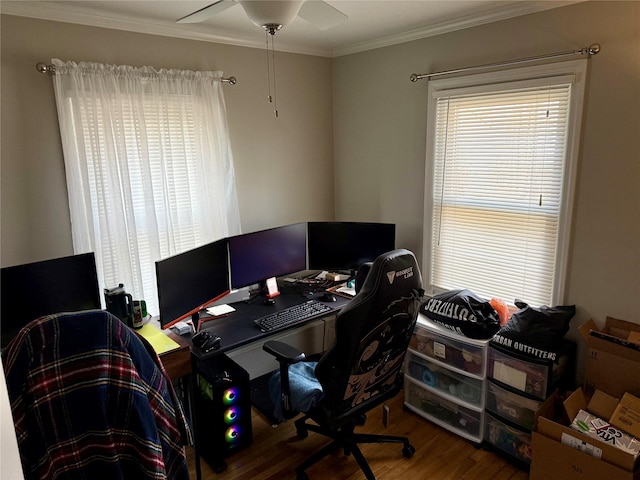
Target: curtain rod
(593,49)
(44,68)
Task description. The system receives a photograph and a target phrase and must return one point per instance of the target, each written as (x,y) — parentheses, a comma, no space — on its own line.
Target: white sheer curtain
(148,164)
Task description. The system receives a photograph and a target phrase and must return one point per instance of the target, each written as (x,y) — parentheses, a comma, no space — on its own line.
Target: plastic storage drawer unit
(447,382)
(445,379)
(511,406)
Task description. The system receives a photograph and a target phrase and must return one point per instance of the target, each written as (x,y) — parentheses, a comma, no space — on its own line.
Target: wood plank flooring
(440,455)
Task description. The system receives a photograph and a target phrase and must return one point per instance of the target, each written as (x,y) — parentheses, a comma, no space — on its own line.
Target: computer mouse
(328,297)
(206,341)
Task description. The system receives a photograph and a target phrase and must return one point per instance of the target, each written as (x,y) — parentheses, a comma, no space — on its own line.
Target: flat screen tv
(191,280)
(33,290)
(255,257)
(347,245)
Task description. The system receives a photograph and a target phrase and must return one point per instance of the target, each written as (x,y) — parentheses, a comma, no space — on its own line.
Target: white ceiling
(370,24)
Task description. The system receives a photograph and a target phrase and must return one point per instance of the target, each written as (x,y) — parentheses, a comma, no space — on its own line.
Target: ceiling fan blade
(322,15)
(206,12)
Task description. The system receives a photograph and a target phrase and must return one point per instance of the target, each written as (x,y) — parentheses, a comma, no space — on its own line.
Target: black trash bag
(463,312)
(536,332)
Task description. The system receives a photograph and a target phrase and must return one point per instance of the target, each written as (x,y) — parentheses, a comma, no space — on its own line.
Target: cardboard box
(561,453)
(613,366)
(603,406)
(554,461)
(627,415)
(613,360)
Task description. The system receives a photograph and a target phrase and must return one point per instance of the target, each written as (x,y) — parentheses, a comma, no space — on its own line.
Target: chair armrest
(283,352)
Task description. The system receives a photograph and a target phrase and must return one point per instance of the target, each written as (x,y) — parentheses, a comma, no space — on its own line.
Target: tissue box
(597,428)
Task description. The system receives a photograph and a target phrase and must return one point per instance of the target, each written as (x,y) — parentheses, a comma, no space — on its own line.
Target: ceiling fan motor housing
(271,15)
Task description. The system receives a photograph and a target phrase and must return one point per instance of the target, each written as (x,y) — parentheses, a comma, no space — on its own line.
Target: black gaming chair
(363,368)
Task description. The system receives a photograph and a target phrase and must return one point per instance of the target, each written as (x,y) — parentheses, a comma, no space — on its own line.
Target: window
(501,159)
(149,167)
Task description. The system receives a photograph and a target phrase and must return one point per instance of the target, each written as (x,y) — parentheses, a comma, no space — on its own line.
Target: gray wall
(360,112)
(380,142)
(284,166)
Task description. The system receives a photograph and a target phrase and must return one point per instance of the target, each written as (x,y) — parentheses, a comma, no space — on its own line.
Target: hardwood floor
(440,455)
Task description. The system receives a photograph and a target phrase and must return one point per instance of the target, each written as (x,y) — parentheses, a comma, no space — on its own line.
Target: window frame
(485,82)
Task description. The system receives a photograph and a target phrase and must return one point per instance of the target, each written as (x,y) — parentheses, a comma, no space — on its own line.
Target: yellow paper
(159,341)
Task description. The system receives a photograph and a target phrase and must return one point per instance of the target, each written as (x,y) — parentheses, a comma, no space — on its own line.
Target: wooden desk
(177,362)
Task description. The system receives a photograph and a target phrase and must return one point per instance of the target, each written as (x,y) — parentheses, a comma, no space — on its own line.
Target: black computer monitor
(191,280)
(347,245)
(255,257)
(33,290)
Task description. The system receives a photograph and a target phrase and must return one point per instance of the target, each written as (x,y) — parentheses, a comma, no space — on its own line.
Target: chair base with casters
(348,440)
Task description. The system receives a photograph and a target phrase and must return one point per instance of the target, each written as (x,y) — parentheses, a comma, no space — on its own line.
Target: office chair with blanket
(362,369)
(91,399)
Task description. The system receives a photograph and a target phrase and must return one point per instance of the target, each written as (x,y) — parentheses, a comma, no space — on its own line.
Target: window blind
(499,162)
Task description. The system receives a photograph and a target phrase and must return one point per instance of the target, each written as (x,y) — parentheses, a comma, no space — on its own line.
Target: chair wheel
(302,432)
(220,467)
(408,450)
(302,476)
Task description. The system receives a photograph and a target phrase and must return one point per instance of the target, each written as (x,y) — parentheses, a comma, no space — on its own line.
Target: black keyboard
(291,315)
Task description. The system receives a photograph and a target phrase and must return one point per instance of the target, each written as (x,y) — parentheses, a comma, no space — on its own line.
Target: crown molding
(65,13)
(498,14)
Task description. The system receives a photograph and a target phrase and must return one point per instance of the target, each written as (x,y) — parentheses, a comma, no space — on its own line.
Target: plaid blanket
(91,400)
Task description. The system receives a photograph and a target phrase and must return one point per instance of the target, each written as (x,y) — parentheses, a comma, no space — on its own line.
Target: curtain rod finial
(44,68)
(413,77)
(594,48)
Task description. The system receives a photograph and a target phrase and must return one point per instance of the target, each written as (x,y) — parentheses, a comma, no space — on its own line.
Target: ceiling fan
(272,15)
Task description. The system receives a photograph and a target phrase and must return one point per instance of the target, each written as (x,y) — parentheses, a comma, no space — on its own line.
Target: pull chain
(273,61)
(272,68)
(266,39)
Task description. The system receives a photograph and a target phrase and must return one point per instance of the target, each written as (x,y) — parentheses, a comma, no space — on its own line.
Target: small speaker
(223,410)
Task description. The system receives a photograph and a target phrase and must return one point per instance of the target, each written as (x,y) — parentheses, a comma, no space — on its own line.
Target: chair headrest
(392,270)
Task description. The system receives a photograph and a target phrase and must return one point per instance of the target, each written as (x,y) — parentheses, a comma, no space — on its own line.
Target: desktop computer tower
(223,410)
